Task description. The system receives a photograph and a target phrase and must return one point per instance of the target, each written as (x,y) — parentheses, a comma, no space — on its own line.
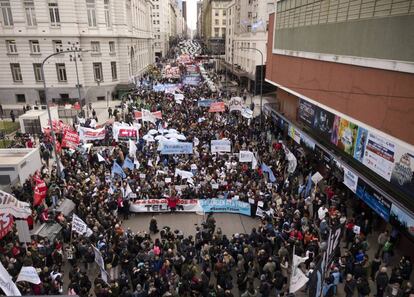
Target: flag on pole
(100,158)
(267,169)
(128,164)
(132,148)
(298,278)
(308,185)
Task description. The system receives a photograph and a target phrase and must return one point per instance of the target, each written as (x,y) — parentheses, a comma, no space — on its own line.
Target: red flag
(70,139)
(39,195)
(6,224)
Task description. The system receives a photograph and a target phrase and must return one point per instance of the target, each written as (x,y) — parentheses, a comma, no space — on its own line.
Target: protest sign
(88,134)
(6,283)
(245,156)
(224,205)
(70,139)
(236,104)
(217,107)
(28,274)
(177,148)
(219,146)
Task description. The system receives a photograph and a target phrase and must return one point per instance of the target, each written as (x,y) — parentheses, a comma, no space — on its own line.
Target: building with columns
(116,37)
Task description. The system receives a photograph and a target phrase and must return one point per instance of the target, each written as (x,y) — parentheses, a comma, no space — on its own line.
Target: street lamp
(58,52)
(261,79)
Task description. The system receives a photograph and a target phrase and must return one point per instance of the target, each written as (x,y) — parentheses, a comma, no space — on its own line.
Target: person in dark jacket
(382,281)
(349,286)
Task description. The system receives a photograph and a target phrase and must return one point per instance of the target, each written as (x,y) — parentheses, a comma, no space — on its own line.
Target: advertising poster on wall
(402,219)
(307,141)
(323,122)
(306,112)
(379,155)
(402,175)
(360,143)
(373,199)
(350,179)
(335,130)
(347,135)
(294,134)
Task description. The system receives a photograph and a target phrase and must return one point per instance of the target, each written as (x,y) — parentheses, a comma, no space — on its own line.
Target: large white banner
(88,134)
(28,274)
(10,205)
(6,283)
(245,156)
(161,205)
(235,104)
(350,180)
(298,278)
(220,146)
(379,155)
(124,132)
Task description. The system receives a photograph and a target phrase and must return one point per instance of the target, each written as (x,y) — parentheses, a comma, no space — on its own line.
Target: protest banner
(219,146)
(6,283)
(217,107)
(28,274)
(236,104)
(88,134)
(124,132)
(101,264)
(10,205)
(245,156)
(79,226)
(224,205)
(177,148)
(205,102)
(161,205)
(70,139)
(6,224)
(298,279)
(155,114)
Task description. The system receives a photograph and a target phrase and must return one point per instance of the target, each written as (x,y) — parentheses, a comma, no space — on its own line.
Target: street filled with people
(179,142)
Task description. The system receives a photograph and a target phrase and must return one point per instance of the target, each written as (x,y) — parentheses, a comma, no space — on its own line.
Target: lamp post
(58,52)
(261,79)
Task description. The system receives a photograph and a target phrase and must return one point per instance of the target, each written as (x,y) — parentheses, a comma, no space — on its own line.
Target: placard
(218,146)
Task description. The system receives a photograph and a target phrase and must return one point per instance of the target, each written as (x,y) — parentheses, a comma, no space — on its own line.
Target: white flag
(100,261)
(6,283)
(28,274)
(127,191)
(298,279)
(136,162)
(132,148)
(80,227)
(100,158)
(10,205)
(254,162)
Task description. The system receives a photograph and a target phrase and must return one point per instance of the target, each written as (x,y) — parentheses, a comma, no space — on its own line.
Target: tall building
(117,36)
(345,78)
(161,24)
(184,10)
(199,19)
(247,26)
(214,25)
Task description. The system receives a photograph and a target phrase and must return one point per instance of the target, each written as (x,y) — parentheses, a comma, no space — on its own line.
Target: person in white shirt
(322,211)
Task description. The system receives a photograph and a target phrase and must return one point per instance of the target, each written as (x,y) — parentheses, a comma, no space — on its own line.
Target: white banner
(235,104)
(10,205)
(218,146)
(6,283)
(80,227)
(245,156)
(161,205)
(88,134)
(28,274)
(124,132)
(100,261)
(350,180)
(316,178)
(298,279)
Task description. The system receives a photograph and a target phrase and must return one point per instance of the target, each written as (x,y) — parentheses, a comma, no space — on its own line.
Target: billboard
(306,112)
(323,122)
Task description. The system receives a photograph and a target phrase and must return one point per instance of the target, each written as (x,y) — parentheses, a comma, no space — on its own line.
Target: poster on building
(306,112)
(379,155)
(307,141)
(346,135)
(360,144)
(335,130)
(323,122)
(402,174)
(402,219)
(373,199)
(294,133)
(350,179)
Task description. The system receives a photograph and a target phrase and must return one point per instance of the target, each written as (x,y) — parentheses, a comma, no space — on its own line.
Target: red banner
(70,139)
(156,114)
(217,107)
(40,191)
(6,224)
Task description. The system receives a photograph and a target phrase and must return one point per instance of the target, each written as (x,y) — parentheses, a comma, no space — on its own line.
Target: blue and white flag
(267,169)
(117,169)
(128,164)
(308,185)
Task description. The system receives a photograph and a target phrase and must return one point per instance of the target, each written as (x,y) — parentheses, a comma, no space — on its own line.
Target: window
(96,47)
(97,71)
(112,47)
(223,32)
(20,98)
(16,72)
(29,8)
(216,32)
(6,12)
(37,69)
(11,46)
(216,22)
(224,13)
(113,71)
(216,13)
(107,13)
(54,14)
(61,72)
(91,11)
(224,22)
(34,46)
(57,45)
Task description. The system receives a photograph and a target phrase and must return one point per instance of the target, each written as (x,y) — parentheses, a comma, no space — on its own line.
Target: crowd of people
(207,263)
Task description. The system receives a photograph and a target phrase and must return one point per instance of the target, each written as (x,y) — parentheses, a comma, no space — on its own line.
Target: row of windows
(60,71)
(54,14)
(217,22)
(217,12)
(11,46)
